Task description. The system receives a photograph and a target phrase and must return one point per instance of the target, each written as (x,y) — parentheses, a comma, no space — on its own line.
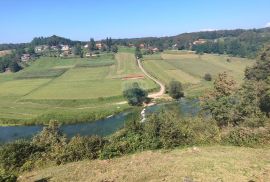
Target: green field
(190,68)
(82,89)
(69,90)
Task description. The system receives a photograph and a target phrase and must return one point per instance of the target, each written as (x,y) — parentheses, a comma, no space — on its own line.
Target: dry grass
(5,52)
(217,163)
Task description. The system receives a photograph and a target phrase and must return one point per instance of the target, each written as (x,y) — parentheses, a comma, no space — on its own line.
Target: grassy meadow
(190,68)
(69,90)
(216,163)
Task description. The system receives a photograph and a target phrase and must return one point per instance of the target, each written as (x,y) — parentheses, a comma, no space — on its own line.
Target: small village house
(65,47)
(25,57)
(55,48)
(199,42)
(98,45)
(41,48)
(142,46)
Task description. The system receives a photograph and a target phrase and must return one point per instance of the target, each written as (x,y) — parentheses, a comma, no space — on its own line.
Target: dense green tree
(135,95)
(220,102)
(176,89)
(14,66)
(92,45)
(114,49)
(138,53)
(261,69)
(77,50)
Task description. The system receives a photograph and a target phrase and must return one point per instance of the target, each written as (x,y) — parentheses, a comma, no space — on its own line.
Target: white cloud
(208,29)
(267,24)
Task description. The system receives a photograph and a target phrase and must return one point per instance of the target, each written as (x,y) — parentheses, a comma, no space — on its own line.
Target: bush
(176,89)
(244,136)
(14,155)
(8,178)
(123,142)
(163,131)
(127,140)
(201,131)
(50,136)
(80,148)
(135,95)
(208,77)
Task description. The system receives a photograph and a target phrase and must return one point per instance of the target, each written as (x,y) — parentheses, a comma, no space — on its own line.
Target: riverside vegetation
(231,114)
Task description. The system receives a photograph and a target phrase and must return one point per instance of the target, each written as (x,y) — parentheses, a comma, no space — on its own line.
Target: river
(102,127)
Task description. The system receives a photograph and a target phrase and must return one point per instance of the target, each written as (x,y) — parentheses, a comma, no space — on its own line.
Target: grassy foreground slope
(217,163)
(68,90)
(190,68)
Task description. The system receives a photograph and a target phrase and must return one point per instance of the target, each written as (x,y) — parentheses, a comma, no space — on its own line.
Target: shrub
(123,142)
(135,95)
(208,77)
(8,178)
(14,155)
(176,89)
(244,136)
(50,136)
(80,148)
(127,140)
(201,131)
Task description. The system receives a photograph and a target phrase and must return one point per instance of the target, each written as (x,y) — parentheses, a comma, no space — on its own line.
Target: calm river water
(101,127)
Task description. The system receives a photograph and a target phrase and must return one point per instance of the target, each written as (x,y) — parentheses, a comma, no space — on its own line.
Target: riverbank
(70,116)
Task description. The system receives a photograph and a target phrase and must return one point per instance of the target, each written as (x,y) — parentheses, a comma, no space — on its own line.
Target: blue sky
(21,20)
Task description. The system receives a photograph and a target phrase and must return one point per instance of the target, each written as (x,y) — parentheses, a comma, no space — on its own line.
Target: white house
(65,48)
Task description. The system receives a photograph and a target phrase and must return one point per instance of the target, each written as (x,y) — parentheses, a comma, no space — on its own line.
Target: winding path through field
(162,87)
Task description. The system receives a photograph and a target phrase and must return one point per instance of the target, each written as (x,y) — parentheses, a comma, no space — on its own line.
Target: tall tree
(92,45)
(77,50)
(176,89)
(138,53)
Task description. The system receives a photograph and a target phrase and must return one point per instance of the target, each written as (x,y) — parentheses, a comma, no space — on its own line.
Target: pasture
(190,68)
(69,90)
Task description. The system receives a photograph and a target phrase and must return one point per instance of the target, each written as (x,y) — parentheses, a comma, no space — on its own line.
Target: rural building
(175,46)
(155,49)
(85,46)
(41,48)
(142,46)
(65,48)
(55,48)
(98,45)
(131,45)
(25,57)
(64,54)
(199,41)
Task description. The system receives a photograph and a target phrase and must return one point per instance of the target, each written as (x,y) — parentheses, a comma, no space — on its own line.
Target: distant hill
(52,41)
(238,42)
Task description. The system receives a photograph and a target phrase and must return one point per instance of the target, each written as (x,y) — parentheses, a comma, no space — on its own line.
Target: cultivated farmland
(190,68)
(69,90)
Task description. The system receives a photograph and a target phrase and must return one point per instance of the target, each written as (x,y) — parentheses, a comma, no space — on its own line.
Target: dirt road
(162,87)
